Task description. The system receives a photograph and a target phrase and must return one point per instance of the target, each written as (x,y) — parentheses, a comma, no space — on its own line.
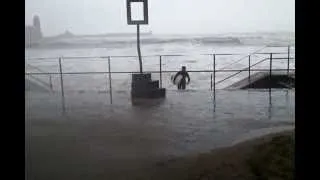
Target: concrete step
(145,85)
(149,93)
(141,77)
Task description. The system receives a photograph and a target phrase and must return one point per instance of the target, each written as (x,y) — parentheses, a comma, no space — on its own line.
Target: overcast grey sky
(165,16)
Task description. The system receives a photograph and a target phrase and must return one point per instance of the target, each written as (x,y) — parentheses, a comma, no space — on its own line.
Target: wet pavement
(92,134)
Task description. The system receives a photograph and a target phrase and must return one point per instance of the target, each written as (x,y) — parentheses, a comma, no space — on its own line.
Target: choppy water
(94,139)
(192,118)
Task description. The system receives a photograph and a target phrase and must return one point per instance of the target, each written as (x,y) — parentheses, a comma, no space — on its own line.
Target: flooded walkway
(93,136)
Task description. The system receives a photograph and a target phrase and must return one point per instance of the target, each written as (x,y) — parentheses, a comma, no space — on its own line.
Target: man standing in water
(182,74)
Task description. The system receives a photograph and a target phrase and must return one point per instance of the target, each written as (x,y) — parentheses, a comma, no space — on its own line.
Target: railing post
(214,77)
(110,83)
(50,81)
(211,82)
(270,70)
(249,69)
(288,65)
(270,105)
(61,84)
(160,70)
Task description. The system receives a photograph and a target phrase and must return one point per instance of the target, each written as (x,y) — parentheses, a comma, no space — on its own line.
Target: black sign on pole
(131,21)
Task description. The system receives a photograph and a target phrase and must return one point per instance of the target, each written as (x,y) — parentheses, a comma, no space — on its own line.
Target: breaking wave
(154,40)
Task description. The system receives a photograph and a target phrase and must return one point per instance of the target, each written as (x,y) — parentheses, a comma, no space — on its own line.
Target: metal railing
(213,71)
(38,80)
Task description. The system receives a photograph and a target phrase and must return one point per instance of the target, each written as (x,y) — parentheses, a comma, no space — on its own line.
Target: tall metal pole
(138,47)
(270,71)
(61,84)
(214,77)
(288,67)
(270,76)
(110,83)
(249,69)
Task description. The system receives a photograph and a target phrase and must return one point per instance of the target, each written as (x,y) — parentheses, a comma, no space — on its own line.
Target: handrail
(41,81)
(241,71)
(255,52)
(250,65)
(33,67)
(237,61)
(131,72)
(157,55)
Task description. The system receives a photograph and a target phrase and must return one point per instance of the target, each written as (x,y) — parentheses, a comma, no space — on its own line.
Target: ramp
(262,80)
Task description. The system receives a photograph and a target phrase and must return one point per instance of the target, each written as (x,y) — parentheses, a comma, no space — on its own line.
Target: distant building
(33,33)
(66,34)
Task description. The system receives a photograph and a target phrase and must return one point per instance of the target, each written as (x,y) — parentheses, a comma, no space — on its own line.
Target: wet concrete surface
(94,139)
